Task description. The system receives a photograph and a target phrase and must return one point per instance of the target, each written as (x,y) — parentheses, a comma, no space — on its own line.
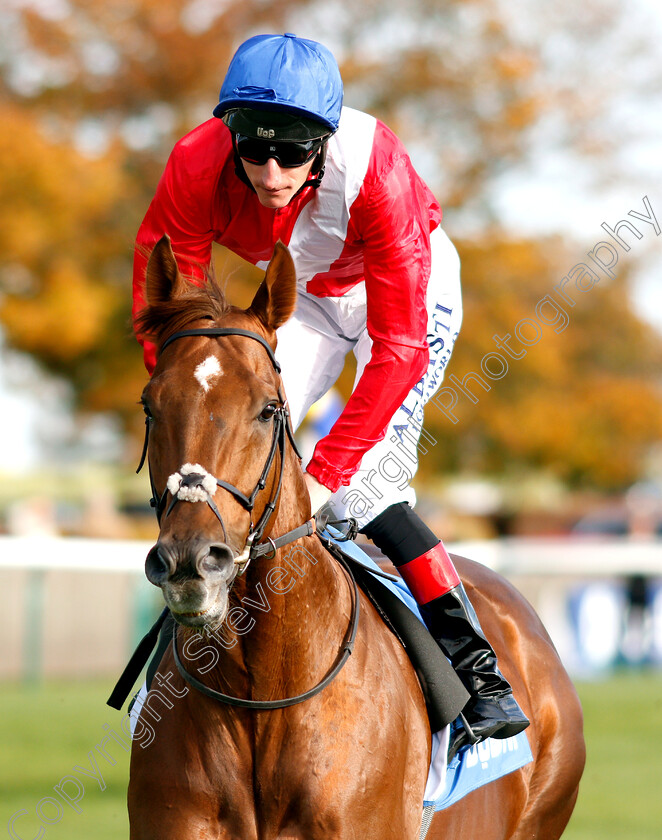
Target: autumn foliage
(94,94)
(581,400)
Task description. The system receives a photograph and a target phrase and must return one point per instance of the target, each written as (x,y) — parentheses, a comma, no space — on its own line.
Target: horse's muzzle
(194,576)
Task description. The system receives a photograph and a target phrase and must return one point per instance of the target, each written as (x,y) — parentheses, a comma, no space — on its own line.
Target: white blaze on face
(206,371)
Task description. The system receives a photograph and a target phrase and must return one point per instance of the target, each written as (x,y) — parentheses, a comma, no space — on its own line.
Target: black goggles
(289,154)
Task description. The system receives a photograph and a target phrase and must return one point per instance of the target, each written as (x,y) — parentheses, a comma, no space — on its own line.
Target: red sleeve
(182,208)
(394,221)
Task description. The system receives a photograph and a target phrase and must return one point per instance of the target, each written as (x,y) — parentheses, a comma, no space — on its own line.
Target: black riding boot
(421,559)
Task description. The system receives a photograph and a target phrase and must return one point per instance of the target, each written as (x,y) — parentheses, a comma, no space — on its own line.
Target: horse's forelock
(159,320)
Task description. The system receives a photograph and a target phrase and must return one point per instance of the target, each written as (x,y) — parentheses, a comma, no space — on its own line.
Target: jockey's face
(274,184)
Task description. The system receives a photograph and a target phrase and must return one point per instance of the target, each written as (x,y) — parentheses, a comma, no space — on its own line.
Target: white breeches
(312,347)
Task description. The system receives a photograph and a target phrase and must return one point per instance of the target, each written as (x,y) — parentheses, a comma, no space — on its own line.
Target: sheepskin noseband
(192,484)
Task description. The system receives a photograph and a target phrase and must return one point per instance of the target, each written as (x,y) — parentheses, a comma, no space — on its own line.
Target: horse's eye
(268,412)
(146,409)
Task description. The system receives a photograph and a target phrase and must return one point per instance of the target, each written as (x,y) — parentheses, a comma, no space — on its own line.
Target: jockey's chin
(275,185)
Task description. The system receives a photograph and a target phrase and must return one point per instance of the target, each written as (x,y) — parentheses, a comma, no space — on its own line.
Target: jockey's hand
(319,494)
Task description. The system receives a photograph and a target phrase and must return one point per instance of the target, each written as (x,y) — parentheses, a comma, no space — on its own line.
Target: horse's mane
(159,320)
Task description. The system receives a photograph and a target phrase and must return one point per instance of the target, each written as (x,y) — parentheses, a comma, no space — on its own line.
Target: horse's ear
(276,299)
(163,281)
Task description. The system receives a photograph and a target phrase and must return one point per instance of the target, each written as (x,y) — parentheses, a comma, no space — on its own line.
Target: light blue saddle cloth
(471,768)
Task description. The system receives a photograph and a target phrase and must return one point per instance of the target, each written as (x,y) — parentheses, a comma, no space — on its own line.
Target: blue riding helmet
(283,88)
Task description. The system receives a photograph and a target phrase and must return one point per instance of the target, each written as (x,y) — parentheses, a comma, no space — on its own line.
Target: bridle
(254,547)
(282,431)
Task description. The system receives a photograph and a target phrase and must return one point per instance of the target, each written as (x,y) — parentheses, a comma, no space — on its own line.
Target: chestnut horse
(351,759)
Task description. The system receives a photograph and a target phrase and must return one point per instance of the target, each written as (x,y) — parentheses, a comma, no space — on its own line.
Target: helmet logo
(265,132)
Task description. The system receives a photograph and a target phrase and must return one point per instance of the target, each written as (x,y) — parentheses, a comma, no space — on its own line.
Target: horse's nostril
(157,566)
(218,559)
(174,562)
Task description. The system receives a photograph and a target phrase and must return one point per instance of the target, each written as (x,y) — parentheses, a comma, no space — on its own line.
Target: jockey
(283,159)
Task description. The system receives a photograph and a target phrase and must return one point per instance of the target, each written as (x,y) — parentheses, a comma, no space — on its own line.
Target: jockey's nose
(199,558)
(271,174)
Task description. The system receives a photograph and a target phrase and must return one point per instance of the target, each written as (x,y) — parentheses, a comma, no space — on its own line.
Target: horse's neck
(288,614)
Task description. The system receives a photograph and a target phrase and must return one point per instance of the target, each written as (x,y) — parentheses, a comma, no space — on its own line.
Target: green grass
(45,732)
(621,792)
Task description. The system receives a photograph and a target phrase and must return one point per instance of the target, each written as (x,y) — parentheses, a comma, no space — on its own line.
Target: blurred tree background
(94,93)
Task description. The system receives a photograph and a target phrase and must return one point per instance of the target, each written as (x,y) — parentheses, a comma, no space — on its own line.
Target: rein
(270,705)
(253,549)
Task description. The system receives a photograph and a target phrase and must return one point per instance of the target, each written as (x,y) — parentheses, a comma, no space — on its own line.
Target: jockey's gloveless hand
(319,494)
